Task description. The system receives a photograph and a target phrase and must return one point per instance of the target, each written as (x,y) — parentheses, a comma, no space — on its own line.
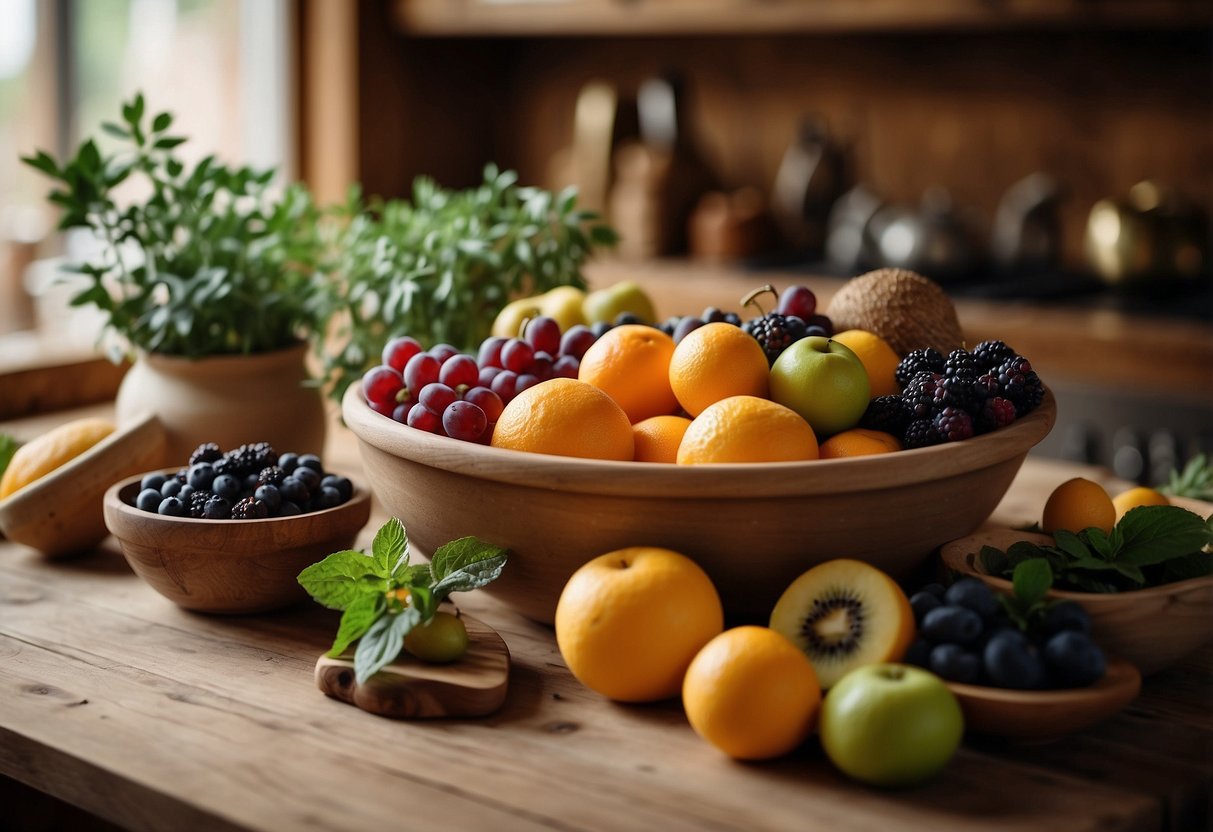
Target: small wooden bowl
(1152,628)
(1041,715)
(229,566)
(754,528)
(61,513)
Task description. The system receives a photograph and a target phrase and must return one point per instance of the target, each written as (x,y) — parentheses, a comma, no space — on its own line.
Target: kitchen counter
(152,717)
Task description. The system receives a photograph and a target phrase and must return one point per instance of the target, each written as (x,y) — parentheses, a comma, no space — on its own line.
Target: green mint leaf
(1133,573)
(417,575)
(341,579)
(1032,580)
(8,447)
(422,599)
(357,619)
(390,548)
(459,554)
(1156,534)
(1195,565)
(993,561)
(1090,583)
(1071,545)
(1100,543)
(382,643)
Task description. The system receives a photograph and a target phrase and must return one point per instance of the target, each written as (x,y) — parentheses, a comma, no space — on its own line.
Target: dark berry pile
(795,317)
(965,636)
(950,399)
(251,482)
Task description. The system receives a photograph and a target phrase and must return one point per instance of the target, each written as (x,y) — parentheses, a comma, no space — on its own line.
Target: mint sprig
(8,447)
(1150,546)
(383,597)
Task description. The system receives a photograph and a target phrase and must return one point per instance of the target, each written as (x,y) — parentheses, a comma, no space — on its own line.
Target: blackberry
(886,413)
(919,395)
(772,333)
(206,452)
(264,455)
(250,508)
(921,433)
(271,475)
(197,502)
(954,424)
(995,413)
(990,354)
(1020,384)
(224,465)
(987,385)
(919,361)
(959,391)
(960,364)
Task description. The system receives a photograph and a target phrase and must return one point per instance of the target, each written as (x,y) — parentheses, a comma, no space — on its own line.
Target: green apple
(625,296)
(823,381)
(890,724)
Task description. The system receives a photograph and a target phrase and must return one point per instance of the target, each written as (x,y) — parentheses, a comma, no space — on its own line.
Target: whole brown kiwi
(902,307)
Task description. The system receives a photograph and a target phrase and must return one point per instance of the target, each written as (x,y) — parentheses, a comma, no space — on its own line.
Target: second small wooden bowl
(1152,628)
(229,566)
(1041,715)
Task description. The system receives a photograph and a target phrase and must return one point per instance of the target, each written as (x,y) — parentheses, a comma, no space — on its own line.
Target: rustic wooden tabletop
(152,717)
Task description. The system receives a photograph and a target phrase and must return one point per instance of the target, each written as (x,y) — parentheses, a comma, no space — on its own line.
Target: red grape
(382,409)
(576,341)
(398,351)
(381,384)
(464,421)
(401,413)
(517,356)
(436,397)
(486,400)
(821,321)
(487,374)
(541,366)
(490,351)
(525,382)
(423,419)
(443,351)
(566,366)
(503,384)
(797,300)
(543,333)
(421,370)
(685,327)
(459,369)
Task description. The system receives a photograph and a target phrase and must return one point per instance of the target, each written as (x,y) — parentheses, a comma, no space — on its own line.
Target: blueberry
(171,488)
(732,318)
(1066,615)
(184,494)
(149,499)
(922,603)
(289,509)
(816,330)
(155,481)
(311,461)
(226,486)
(249,483)
(954,663)
(952,625)
(626,318)
(171,507)
(973,594)
(201,475)
(918,653)
(326,497)
(293,490)
(1073,659)
(712,315)
(1011,661)
(270,495)
(308,476)
(600,328)
(217,508)
(288,462)
(343,485)
(937,590)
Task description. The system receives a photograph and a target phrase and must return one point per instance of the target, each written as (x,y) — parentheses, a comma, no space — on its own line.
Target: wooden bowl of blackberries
(230,531)
(1023,668)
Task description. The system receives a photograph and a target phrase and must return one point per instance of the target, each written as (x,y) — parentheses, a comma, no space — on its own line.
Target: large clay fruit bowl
(753,528)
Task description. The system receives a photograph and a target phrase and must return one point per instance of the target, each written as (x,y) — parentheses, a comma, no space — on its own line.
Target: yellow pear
(508,323)
(563,304)
(625,296)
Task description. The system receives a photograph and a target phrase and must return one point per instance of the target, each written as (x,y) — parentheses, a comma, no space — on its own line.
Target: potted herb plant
(208,278)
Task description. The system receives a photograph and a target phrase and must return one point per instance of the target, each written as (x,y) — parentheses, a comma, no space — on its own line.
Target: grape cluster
(680,326)
(250,482)
(965,636)
(445,392)
(950,399)
(795,317)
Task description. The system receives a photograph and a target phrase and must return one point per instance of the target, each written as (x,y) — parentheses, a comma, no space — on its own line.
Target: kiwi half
(845,614)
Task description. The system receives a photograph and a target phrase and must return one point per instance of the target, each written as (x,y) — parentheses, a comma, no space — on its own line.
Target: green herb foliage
(1151,545)
(203,261)
(383,597)
(441,266)
(1195,480)
(8,447)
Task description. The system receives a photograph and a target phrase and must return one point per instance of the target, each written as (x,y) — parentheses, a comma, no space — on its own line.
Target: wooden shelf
(545,18)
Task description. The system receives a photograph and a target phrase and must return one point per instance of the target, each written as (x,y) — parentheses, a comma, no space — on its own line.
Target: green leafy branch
(1151,545)
(383,597)
(1195,480)
(8,447)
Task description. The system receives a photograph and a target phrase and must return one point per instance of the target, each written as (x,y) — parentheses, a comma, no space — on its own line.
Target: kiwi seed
(843,611)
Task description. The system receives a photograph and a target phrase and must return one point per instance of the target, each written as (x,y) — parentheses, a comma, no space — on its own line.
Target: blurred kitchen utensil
(1153,237)
(1027,234)
(936,239)
(730,226)
(848,245)
(813,174)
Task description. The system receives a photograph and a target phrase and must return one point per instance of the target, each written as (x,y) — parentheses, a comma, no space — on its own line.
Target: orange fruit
(631,364)
(58,446)
(751,693)
(714,362)
(747,429)
(565,417)
(1078,504)
(1139,496)
(878,358)
(657,438)
(859,442)
(629,622)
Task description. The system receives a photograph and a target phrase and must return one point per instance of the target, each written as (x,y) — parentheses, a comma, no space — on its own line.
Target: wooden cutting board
(409,688)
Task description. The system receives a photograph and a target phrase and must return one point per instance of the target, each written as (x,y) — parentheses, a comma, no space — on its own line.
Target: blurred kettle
(936,239)
(812,175)
(1152,236)
(1027,233)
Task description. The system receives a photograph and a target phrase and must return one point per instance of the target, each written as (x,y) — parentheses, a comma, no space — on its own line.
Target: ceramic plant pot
(230,400)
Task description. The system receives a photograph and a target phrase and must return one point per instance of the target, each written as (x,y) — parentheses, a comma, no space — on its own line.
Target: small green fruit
(440,640)
(823,381)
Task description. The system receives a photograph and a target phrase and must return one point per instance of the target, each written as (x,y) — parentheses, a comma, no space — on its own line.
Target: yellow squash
(40,456)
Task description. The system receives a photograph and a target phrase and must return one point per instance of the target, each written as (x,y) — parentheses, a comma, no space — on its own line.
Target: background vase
(230,400)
